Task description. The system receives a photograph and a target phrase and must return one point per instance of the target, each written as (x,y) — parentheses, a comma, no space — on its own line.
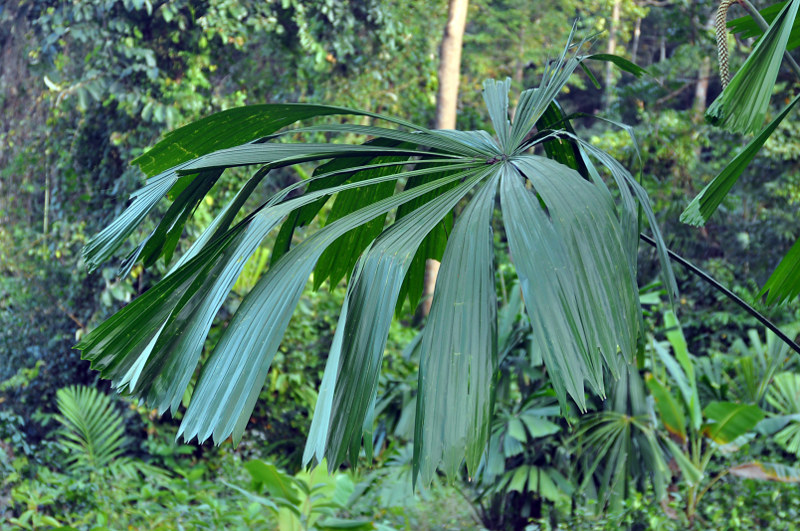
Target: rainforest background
(87,86)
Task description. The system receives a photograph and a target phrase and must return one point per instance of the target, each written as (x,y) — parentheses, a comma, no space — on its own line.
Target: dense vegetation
(85,87)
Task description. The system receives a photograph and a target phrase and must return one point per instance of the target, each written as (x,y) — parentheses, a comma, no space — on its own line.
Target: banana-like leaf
(742,106)
(685,378)
(669,409)
(730,420)
(784,283)
(767,472)
(706,202)
(277,483)
(459,348)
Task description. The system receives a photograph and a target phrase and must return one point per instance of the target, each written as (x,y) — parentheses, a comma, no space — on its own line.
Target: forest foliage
(87,87)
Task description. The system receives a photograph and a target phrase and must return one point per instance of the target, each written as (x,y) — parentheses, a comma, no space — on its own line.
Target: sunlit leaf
(706,202)
(742,106)
(730,421)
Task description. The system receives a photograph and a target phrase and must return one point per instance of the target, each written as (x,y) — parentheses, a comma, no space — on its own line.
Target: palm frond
(742,106)
(573,246)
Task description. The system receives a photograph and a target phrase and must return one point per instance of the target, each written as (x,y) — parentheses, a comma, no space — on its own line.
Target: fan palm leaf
(573,246)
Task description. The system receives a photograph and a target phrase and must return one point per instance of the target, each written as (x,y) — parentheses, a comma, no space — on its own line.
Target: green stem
(750,8)
(707,487)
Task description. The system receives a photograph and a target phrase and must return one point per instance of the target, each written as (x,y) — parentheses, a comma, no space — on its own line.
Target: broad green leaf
(325,175)
(338,259)
(233,127)
(687,378)
(261,500)
(519,479)
(741,107)
(706,202)
(495,95)
(620,62)
(235,372)
(748,28)
(730,420)
(538,426)
(669,408)
(277,483)
(767,472)
(459,348)
(583,306)
(784,283)
(373,295)
(516,430)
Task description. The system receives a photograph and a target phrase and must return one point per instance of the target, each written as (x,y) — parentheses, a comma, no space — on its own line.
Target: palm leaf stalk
(573,245)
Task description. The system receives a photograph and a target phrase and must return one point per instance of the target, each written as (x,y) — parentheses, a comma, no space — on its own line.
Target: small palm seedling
(574,247)
(93,435)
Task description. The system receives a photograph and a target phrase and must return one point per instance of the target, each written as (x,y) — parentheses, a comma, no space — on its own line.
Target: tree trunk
(450,65)
(446,106)
(612,47)
(701,89)
(637,33)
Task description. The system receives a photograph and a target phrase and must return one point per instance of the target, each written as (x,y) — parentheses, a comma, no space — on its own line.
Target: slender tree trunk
(446,106)
(612,47)
(637,33)
(701,89)
(450,65)
(703,77)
